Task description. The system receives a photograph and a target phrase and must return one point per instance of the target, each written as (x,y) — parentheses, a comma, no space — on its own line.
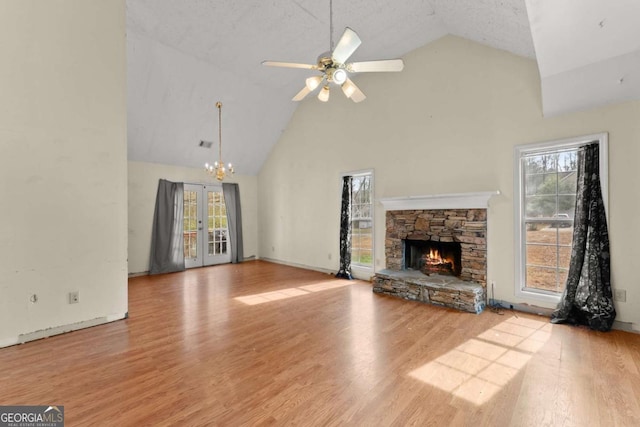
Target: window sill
(361,272)
(537,296)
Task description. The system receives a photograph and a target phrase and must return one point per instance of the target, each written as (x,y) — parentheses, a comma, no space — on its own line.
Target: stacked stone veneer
(447,291)
(465,226)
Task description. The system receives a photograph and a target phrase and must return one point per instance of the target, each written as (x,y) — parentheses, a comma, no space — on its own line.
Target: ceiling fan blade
(300,95)
(352,91)
(289,65)
(348,44)
(376,66)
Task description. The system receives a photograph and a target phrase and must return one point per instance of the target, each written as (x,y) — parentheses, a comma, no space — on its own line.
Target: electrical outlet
(620,295)
(74,297)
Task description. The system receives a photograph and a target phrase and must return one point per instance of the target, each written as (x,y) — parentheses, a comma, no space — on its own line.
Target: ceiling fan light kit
(313,82)
(323,95)
(335,69)
(339,76)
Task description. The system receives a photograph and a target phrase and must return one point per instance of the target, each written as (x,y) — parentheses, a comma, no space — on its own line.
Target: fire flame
(434,257)
(437,262)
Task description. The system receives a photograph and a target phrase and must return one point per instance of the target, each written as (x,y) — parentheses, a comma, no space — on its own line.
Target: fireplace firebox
(431,257)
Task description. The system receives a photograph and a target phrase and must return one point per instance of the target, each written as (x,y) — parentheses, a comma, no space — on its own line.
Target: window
(362,220)
(545,190)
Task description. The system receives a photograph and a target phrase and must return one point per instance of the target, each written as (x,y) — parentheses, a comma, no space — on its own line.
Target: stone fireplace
(463,230)
(436,250)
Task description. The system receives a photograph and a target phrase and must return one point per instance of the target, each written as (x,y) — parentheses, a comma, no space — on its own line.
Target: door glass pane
(190,224)
(216,223)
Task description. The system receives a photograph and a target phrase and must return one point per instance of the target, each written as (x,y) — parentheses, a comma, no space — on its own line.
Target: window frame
(358,268)
(602,139)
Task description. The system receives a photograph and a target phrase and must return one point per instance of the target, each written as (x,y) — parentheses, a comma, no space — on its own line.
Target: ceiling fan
(335,69)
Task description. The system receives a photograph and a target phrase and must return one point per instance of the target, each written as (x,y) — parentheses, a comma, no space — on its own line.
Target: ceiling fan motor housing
(324,61)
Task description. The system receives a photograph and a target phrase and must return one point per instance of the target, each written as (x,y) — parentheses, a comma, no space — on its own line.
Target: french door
(206,236)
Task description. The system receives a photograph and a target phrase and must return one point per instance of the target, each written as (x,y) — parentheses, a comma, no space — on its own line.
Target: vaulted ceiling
(183,56)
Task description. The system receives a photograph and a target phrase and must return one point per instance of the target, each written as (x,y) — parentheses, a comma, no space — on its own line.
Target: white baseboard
(293,264)
(57,330)
(625,326)
(546,312)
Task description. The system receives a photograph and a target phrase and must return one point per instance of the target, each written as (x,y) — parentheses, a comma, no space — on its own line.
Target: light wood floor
(260,343)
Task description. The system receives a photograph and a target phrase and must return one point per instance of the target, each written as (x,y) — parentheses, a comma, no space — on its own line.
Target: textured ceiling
(183,56)
(589,60)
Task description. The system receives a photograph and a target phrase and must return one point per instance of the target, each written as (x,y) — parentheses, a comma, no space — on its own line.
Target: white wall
(448,123)
(143,185)
(63,176)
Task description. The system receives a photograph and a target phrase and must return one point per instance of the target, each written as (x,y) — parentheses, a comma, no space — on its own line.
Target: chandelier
(218,169)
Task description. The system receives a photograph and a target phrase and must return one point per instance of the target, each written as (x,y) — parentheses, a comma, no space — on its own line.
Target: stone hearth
(446,291)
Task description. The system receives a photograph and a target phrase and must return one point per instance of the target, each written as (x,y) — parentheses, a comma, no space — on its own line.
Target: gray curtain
(587,298)
(231,194)
(167,240)
(345,229)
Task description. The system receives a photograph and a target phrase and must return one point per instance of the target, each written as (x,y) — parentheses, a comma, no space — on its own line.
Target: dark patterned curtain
(345,229)
(587,298)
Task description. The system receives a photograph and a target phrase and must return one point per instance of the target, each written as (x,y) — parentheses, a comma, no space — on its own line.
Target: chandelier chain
(219,105)
(218,169)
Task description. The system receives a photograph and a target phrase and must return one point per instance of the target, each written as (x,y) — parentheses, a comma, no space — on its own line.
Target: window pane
(540,183)
(567,204)
(542,278)
(541,206)
(565,257)
(562,279)
(542,255)
(541,232)
(361,225)
(548,191)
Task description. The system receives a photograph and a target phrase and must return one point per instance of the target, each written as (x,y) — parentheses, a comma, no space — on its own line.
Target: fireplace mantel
(477,200)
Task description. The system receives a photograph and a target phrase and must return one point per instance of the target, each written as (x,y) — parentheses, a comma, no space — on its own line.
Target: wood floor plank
(259,343)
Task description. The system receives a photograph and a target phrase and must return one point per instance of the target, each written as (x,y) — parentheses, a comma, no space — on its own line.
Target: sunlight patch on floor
(281,294)
(478,368)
